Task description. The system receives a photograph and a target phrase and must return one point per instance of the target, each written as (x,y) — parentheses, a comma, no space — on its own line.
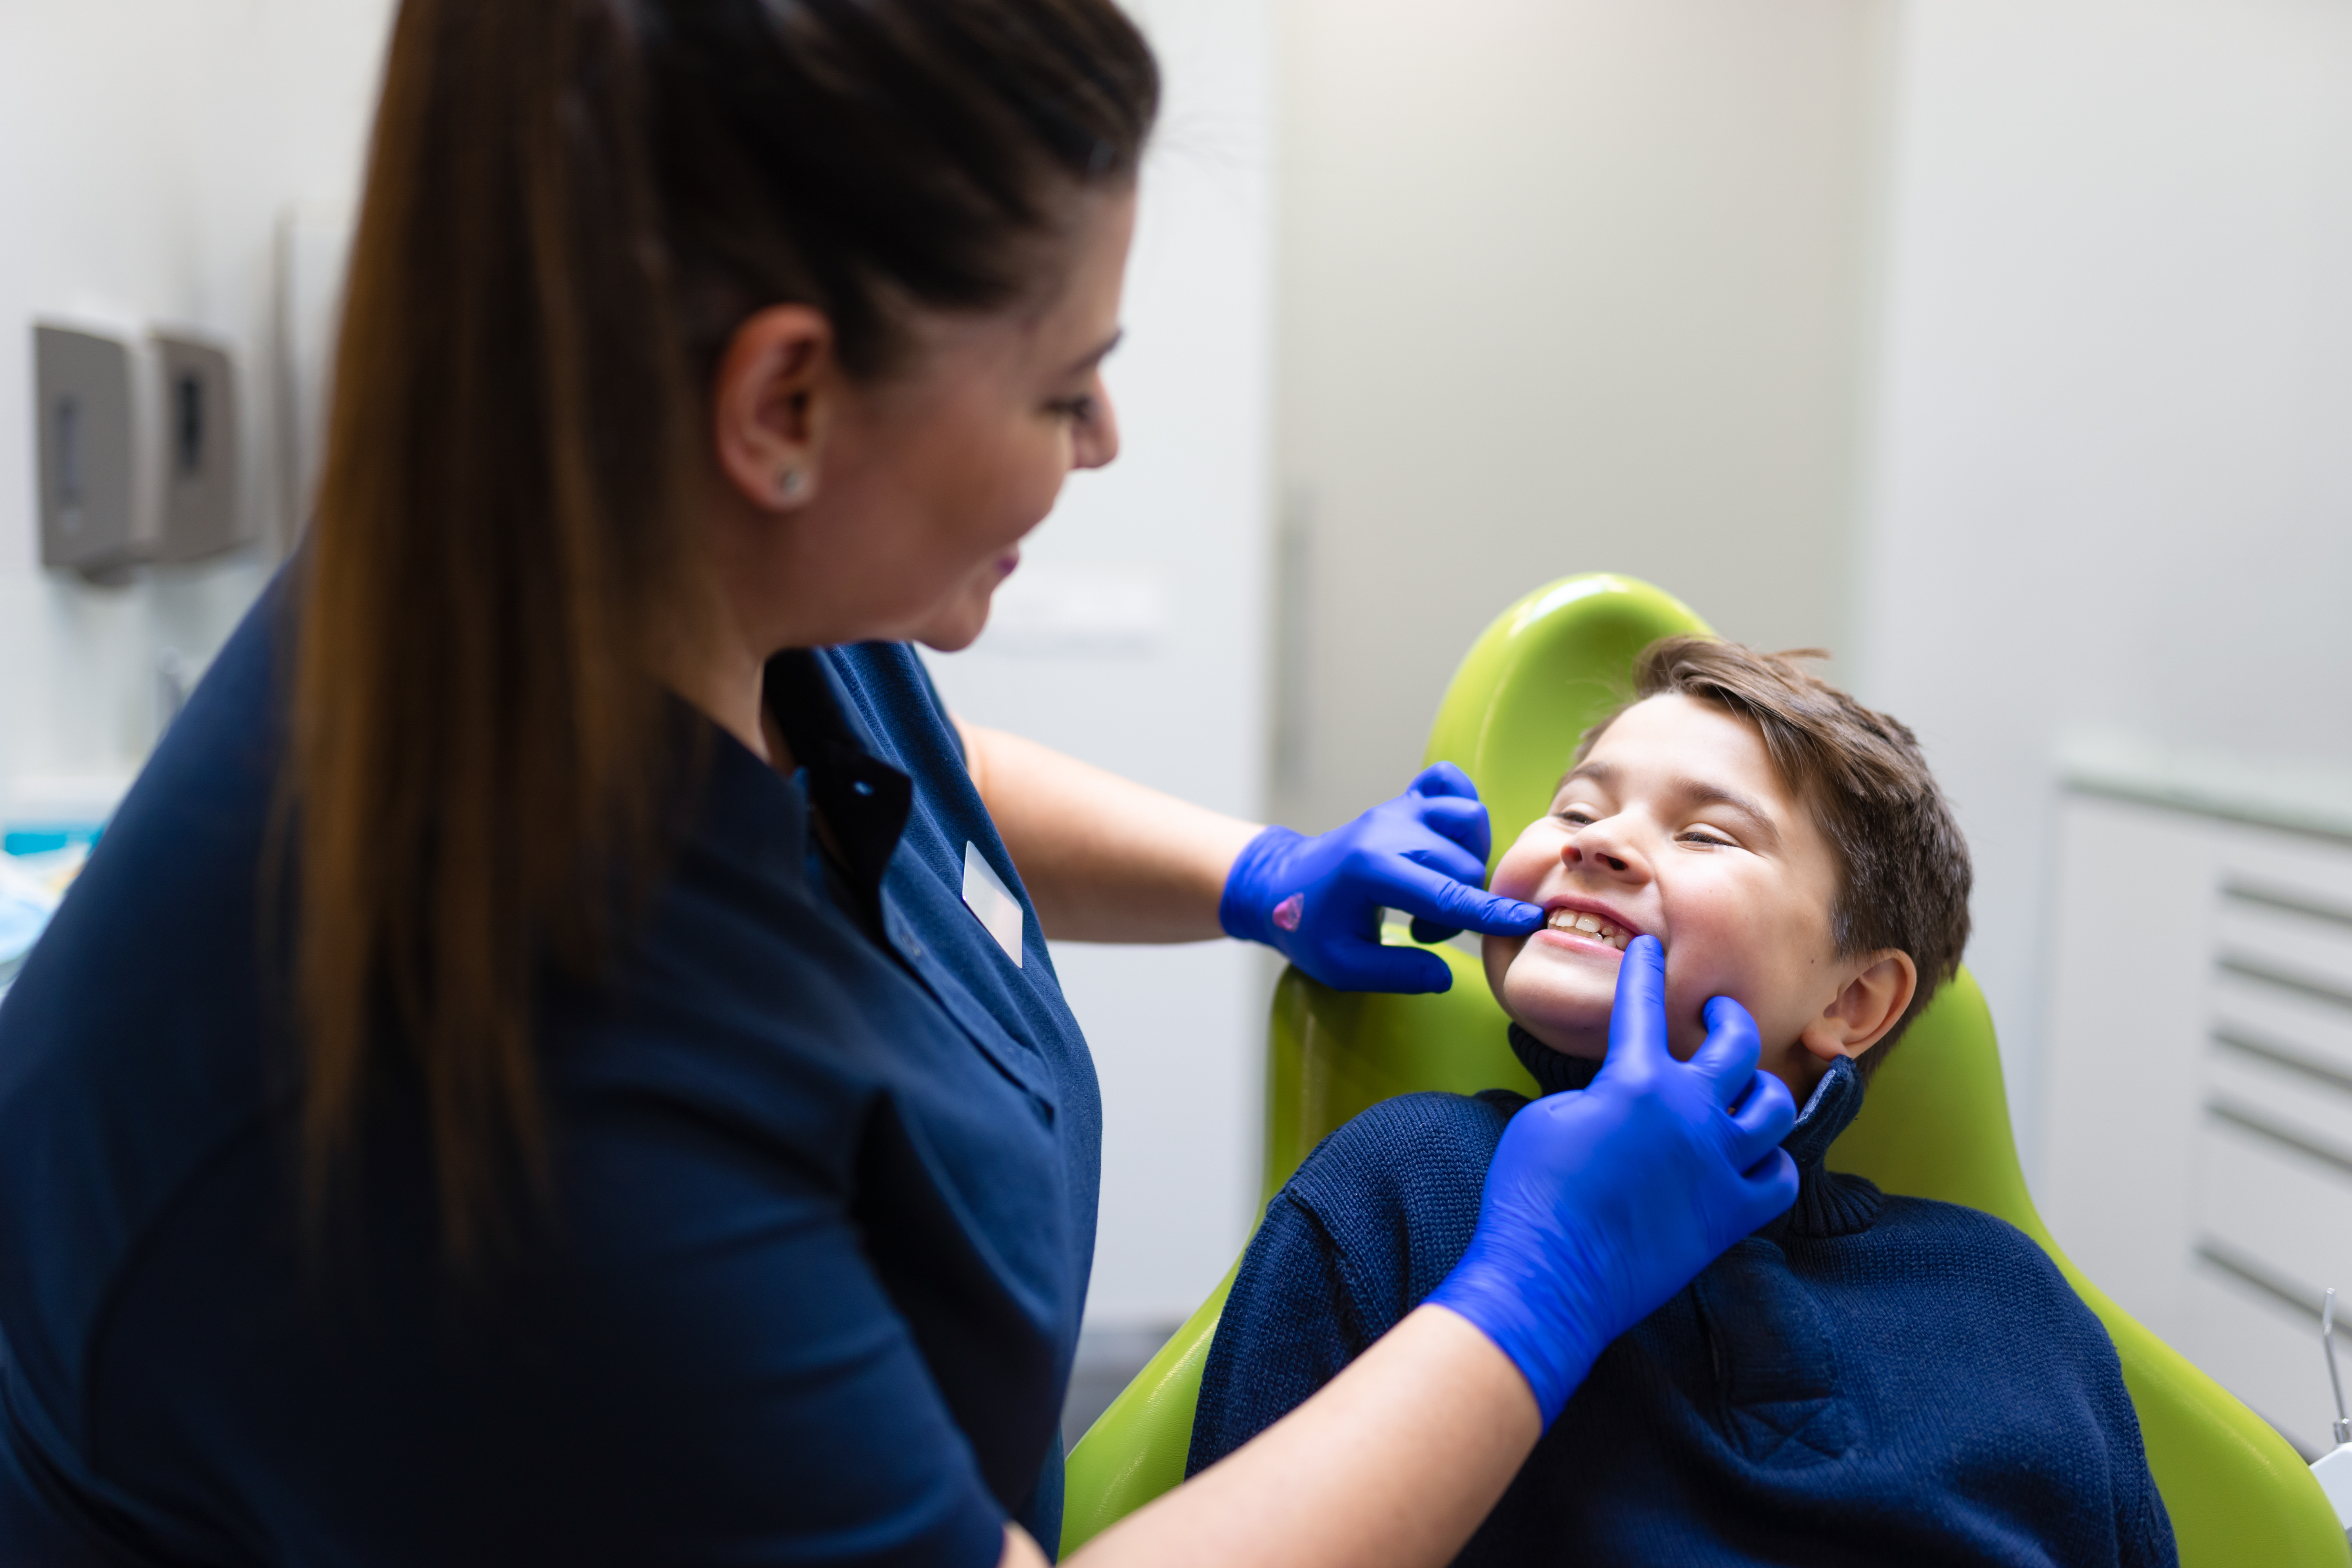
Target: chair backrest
(1545,668)
(1936,1123)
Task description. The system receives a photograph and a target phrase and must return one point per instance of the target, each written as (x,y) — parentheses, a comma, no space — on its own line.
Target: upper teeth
(1590,925)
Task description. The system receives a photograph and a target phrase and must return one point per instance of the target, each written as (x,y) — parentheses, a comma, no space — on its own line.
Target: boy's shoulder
(1969,1262)
(1959,1235)
(1385,1205)
(1414,1149)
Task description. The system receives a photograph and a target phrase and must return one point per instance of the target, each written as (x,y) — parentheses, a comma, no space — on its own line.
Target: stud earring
(790,484)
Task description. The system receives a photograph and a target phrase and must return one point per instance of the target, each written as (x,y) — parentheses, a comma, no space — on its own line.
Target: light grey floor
(1107,1361)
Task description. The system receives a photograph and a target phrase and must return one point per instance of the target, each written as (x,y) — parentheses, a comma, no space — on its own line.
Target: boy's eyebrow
(1698,790)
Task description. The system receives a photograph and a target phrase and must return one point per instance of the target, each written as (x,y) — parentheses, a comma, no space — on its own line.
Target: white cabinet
(2197,1154)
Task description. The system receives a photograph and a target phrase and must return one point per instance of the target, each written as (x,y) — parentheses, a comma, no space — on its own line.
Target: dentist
(557,1057)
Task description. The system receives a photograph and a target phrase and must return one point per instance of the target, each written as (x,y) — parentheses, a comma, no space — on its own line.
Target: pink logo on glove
(1287,913)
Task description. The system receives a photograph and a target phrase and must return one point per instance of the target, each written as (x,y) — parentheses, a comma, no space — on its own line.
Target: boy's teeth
(1585,924)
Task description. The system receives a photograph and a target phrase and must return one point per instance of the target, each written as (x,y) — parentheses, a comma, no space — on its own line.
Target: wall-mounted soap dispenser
(139,448)
(93,395)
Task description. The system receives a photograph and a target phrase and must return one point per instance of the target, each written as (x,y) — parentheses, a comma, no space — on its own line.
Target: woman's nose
(1097,442)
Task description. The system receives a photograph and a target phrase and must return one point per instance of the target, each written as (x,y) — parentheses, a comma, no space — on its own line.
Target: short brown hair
(1904,865)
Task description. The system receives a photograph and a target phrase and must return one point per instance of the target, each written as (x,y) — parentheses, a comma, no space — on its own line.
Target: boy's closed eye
(1701,836)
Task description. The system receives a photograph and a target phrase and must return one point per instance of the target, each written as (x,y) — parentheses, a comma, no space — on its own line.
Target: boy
(1866,1380)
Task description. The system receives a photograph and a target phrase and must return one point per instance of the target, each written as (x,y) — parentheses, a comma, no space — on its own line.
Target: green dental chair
(1936,1124)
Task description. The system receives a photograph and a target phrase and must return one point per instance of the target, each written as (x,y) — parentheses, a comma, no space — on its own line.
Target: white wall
(2113,480)
(147,148)
(1567,285)
(1133,636)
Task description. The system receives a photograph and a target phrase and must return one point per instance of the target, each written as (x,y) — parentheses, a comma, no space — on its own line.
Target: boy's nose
(1601,851)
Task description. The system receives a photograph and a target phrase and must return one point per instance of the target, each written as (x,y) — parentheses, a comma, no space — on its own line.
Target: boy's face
(1677,825)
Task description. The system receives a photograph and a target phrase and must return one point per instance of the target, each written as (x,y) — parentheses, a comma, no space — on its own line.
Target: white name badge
(985,894)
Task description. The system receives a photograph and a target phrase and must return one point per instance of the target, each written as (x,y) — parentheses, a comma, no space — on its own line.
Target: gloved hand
(1317,901)
(1602,1204)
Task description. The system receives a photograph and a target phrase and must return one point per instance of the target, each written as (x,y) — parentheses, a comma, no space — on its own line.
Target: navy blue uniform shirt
(824,1165)
(1867,1380)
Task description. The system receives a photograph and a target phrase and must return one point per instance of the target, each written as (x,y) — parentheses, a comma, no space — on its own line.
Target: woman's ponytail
(501,515)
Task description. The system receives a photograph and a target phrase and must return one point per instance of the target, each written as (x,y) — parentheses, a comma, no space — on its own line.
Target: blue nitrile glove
(1603,1203)
(1317,901)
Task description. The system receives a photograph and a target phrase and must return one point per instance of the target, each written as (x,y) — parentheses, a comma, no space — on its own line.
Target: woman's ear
(1871,1003)
(772,403)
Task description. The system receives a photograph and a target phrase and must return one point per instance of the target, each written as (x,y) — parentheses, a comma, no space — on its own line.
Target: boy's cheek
(1685,1024)
(1689,988)
(1521,870)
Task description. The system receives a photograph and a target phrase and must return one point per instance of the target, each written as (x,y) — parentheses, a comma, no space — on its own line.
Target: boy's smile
(1677,825)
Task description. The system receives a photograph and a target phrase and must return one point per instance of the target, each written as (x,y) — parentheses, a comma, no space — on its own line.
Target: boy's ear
(1871,1004)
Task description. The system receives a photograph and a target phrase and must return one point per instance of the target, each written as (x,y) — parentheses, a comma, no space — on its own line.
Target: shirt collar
(859,802)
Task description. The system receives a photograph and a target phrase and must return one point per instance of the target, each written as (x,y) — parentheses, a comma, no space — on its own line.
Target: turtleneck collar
(1555,1072)
(1827,1202)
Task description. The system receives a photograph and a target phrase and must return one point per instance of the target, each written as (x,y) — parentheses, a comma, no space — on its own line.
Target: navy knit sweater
(1866,1380)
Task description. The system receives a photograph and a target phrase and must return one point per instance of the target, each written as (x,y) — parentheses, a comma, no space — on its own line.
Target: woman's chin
(949,640)
(955,629)
(957,624)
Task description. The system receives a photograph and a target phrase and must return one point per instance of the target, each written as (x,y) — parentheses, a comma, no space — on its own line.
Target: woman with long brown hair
(557,1059)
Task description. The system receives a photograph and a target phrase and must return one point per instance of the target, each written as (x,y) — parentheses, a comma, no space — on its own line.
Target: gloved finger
(1462,821)
(1441,779)
(1425,930)
(1444,855)
(1727,1057)
(1499,916)
(1430,895)
(1405,970)
(1637,1019)
(1762,1120)
(1769,1186)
